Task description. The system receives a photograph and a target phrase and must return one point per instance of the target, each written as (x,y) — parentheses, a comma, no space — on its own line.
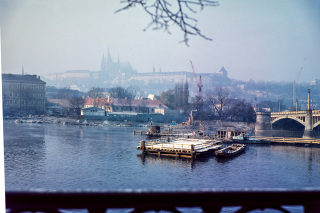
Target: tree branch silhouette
(163,14)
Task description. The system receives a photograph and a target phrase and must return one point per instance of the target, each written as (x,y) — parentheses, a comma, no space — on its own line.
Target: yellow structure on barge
(182,147)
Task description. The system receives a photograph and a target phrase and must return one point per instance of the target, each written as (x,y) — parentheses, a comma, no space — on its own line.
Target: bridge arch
(288,123)
(288,117)
(316,125)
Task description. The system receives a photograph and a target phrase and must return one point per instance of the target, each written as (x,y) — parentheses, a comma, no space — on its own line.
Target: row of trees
(76,99)
(214,104)
(177,98)
(114,92)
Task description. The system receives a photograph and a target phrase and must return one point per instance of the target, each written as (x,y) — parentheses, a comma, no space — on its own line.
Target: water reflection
(31,153)
(57,157)
(279,133)
(168,160)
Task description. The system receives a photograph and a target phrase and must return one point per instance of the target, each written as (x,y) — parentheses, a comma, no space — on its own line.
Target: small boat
(154,131)
(230,151)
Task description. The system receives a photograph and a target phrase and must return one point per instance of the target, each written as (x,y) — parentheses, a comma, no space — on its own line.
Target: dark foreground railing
(141,201)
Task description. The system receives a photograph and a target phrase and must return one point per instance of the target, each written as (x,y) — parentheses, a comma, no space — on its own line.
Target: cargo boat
(231,151)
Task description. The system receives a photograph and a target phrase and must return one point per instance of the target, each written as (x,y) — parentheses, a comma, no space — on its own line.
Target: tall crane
(198,81)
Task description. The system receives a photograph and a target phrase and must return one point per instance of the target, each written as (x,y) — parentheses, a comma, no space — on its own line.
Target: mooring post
(192,150)
(143,146)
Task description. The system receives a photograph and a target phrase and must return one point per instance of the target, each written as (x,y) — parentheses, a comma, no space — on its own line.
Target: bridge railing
(141,201)
(289,113)
(302,112)
(316,112)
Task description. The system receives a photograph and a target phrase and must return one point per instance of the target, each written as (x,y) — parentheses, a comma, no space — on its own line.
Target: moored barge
(182,147)
(231,151)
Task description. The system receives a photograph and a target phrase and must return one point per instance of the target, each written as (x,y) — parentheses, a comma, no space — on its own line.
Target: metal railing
(141,201)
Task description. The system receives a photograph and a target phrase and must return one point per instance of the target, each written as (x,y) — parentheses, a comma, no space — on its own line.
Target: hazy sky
(260,40)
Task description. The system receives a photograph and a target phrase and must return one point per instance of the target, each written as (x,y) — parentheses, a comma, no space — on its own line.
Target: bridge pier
(263,122)
(308,129)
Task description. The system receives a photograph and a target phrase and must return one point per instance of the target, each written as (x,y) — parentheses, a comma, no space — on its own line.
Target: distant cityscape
(31,91)
(116,73)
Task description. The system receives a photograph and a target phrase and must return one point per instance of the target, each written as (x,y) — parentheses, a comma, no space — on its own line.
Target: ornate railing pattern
(141,201)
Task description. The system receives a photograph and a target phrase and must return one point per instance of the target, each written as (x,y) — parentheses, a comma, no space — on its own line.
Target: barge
(231,151)
(182,147)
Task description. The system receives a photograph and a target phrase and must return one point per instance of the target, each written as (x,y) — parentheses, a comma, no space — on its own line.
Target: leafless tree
(164,13)
(241,110)
(197,104)
(218,98)
(120,92)
(73,98)
(97,92)
(77,102)
(167,97)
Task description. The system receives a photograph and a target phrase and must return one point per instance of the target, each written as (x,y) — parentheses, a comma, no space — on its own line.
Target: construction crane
(198,81)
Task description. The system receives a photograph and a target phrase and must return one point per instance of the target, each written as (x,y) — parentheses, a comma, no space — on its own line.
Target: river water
(59,157)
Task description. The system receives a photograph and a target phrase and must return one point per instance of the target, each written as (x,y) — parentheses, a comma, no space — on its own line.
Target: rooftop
(22,78)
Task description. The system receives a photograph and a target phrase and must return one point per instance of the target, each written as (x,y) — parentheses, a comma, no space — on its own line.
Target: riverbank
(207,126)
(73,121)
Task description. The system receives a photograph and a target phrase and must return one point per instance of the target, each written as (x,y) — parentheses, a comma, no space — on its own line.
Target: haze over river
(59,157)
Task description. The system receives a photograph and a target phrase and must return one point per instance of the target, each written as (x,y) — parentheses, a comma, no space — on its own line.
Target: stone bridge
(310,119)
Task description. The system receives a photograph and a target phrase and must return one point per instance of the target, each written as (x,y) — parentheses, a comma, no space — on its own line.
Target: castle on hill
(116,73)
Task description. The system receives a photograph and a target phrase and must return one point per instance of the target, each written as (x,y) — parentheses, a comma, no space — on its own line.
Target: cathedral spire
(109,59)
(103,63)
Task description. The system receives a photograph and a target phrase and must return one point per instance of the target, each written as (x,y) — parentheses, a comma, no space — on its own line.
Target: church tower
(223,72)
(103,66)
(109,60)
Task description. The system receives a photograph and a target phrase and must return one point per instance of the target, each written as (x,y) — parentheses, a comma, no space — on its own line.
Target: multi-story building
(23,94)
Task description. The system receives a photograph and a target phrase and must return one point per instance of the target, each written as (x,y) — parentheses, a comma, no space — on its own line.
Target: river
(69,157)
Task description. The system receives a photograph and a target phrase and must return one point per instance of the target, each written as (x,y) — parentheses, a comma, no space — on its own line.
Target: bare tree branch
(163,14)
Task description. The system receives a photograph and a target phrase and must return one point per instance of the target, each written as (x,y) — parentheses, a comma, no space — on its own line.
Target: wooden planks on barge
(187,148)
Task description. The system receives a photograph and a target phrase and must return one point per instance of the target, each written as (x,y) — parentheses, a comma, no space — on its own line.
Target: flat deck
(181,147)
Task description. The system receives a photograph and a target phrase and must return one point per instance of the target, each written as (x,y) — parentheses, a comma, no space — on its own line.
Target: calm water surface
(58,157)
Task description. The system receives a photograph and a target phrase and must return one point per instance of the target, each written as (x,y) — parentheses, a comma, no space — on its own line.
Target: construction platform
(182,147)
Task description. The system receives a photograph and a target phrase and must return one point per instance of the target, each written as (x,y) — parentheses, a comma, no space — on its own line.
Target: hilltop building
(116,73)
(111,73)
(23,94)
